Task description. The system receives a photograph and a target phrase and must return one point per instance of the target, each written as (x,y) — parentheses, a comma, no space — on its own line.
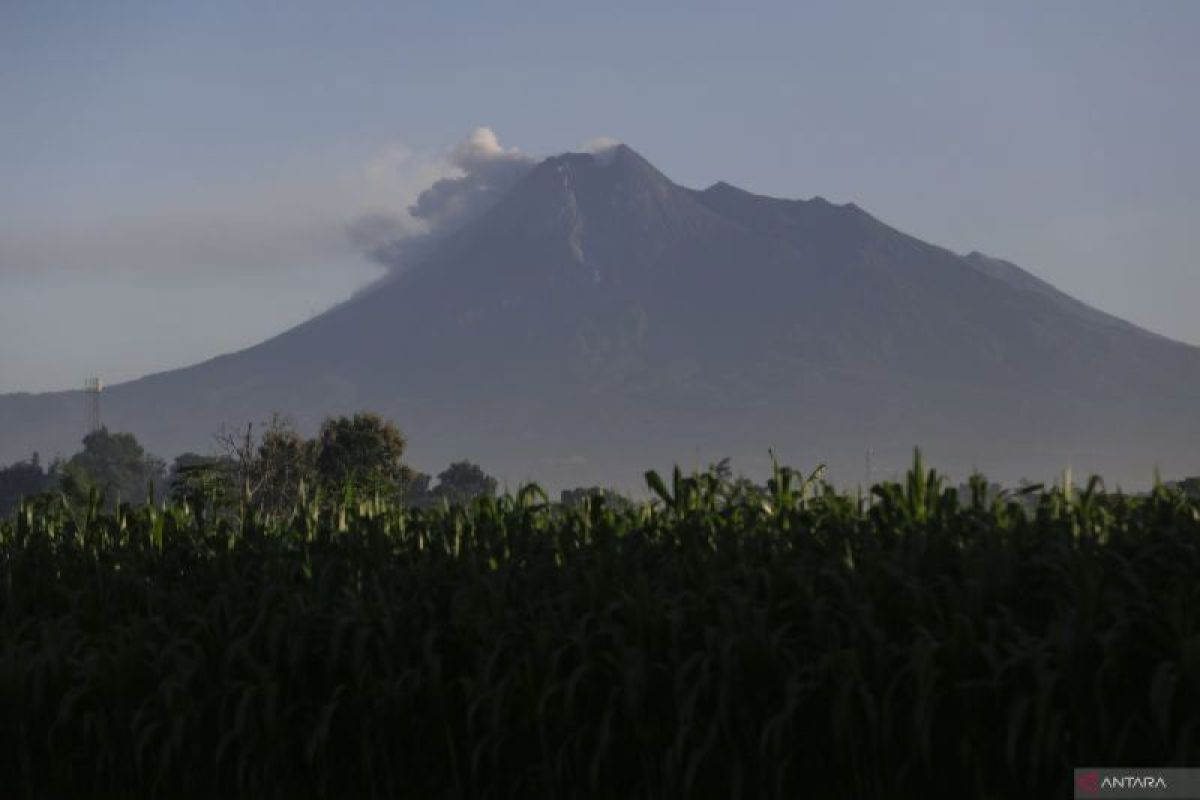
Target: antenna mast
(93,387)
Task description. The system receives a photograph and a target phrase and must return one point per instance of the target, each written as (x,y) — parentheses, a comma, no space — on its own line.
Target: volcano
(599,320)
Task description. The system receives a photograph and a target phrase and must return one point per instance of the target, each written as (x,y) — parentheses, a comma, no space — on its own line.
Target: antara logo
(1133,782)
(1088,783)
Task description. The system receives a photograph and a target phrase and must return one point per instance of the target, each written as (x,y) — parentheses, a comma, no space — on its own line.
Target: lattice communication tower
(93,387)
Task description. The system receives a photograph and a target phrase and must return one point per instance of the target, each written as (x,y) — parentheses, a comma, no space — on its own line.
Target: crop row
(720,641)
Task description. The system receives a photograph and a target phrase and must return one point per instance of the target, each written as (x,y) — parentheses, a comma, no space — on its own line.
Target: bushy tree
(416,490)
(365,451)
(200,480)
(116,465)
(463,481)
(284,462)
(24,479)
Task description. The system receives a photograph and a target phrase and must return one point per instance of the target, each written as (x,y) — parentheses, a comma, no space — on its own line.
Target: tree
(576,497)
(1189,486)
(722,470)
(416,490)
(116,465)
(24,479)
(463,481)
(365,451)
(283,462)
(197,479)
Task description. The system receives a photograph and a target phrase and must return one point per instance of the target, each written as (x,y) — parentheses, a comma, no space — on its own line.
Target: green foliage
(365,451)
(113,464)
(203,482)
(720,642)
(281,468)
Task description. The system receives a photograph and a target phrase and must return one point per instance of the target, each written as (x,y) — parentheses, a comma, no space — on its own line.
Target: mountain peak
(599,308)
(617,163)
(612,194)
(725,189)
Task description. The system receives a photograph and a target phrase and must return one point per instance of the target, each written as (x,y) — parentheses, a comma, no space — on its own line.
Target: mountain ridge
(600,315)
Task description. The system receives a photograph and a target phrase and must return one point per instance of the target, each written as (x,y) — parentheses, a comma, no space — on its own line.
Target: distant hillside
(601,319)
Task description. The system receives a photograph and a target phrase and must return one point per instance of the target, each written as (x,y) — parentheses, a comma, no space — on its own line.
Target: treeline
(270,469)
(273,468)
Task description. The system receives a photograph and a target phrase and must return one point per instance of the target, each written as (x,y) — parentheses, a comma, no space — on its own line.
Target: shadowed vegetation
(721,641)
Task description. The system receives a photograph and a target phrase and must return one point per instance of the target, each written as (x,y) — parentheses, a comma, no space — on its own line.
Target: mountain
(600,320)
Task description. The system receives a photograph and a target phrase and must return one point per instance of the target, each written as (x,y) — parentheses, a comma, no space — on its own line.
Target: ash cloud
(486,171)
(489,171)
(602,148)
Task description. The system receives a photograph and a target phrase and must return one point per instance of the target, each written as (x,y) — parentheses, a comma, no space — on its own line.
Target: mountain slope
(601,319)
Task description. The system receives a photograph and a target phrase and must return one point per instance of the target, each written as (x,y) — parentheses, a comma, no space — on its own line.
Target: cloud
(265,229)
(276,219)
(375,230)
(602,148)
(600,144)
(482,171)
(488,172)
(313,208)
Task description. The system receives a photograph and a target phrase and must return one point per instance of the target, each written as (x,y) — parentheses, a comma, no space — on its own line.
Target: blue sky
(177,178)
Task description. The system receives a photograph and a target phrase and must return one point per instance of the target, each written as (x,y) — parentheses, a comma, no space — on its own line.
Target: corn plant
(785,641)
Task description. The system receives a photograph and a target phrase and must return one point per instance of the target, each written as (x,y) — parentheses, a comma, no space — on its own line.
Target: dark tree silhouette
(23,479)
(463,481)
(116,465)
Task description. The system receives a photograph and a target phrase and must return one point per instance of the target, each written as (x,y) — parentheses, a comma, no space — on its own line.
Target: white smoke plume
(485,171)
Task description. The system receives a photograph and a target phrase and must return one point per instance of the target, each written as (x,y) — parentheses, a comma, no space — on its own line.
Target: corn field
(718,642)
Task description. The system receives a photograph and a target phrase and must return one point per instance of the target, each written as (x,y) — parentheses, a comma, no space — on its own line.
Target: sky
(179,180)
